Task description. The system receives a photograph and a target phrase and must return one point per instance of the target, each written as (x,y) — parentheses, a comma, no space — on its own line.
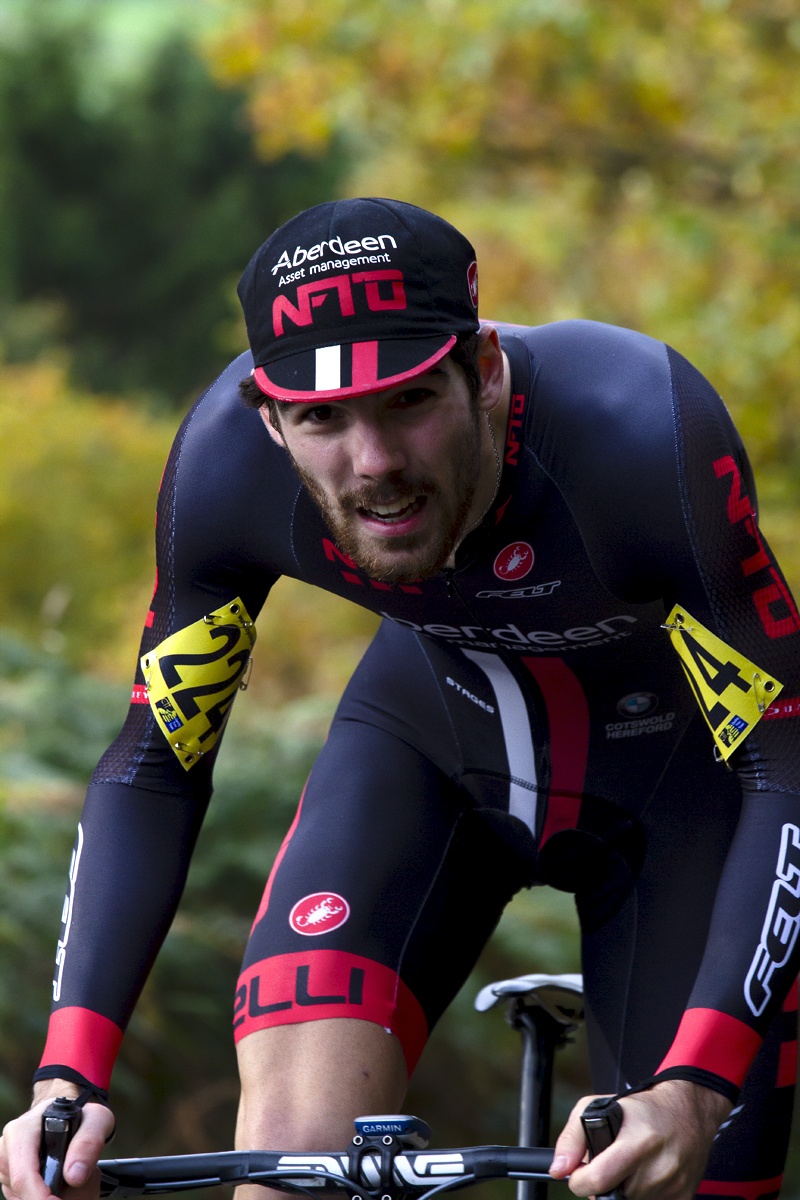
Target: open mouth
(393,514)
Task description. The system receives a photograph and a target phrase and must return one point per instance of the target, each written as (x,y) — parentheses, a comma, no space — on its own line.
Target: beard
(407,557)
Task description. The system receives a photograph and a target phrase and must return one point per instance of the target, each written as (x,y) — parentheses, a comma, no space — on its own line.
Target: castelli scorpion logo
(318,913)
(514,562)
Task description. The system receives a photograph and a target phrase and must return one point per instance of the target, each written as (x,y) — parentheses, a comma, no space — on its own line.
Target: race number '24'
(193,675)
(733,693)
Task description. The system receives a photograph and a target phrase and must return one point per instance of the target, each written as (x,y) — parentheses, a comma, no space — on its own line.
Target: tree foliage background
(631,161)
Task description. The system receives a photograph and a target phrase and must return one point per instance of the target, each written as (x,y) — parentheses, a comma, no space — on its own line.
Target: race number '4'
(732,692)
(193,675)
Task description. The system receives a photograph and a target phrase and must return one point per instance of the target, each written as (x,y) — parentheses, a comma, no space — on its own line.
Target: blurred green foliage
(126,224)
(78,481)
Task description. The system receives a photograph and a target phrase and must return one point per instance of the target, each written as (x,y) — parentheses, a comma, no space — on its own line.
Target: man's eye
(414,396)
(320,413)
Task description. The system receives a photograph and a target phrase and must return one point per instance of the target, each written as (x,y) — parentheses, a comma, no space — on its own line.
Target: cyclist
(583,630)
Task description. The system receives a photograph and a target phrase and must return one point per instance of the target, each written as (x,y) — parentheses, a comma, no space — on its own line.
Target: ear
(492,368)
(274,433)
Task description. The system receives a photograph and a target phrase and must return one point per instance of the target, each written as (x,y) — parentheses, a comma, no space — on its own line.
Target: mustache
(387,493)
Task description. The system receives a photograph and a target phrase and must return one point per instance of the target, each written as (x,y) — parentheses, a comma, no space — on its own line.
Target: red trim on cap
(83,1040)
(714,1042)
(312,985)
(359,389)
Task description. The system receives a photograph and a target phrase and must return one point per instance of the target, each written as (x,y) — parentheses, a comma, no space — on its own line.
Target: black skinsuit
(520,719)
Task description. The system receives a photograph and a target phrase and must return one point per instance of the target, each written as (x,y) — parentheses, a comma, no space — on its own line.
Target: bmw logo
(637,704)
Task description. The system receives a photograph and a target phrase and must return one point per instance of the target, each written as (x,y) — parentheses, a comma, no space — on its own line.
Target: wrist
(48,1089)
(704,1107)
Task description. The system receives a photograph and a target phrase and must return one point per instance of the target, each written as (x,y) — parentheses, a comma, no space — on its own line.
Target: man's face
(394,473)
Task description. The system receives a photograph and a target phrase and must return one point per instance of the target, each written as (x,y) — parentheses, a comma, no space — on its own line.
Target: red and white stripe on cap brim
(365,374)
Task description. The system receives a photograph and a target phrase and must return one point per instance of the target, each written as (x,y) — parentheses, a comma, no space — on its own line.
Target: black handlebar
(383,1164)
(415,1172)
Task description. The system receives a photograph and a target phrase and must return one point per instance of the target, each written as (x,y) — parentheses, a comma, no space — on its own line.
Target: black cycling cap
(355,296)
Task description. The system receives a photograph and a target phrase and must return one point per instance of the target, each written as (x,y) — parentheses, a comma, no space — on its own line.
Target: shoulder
(593,367)
(224,470)
(597,387)
(221,435)
(220,408)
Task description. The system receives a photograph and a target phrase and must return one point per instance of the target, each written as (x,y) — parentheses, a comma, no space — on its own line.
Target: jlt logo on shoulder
(732,692)
(514,561)
(320,912)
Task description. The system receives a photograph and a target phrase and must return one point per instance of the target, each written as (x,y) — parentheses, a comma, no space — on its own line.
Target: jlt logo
(312,295)
(781,923)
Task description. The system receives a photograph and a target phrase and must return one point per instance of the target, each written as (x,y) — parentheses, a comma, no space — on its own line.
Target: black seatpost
(541,1036)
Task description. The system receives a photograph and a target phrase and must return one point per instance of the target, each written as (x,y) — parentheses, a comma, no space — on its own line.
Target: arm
(127,874)
(143,809)
(722,570)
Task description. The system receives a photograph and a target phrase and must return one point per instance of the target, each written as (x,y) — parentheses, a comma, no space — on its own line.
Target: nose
(376,450)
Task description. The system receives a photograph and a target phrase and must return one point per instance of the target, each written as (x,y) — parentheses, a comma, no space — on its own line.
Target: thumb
(571,1145)
(87,1145)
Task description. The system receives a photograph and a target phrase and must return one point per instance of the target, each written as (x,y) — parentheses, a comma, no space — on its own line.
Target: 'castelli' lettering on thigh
(779,932)
(252,999)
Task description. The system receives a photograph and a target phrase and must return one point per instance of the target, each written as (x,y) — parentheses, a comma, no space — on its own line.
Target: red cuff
(714,1042)
(83,1040)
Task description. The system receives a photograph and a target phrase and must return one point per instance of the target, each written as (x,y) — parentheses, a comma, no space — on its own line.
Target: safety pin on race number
(732,692)
(193,675)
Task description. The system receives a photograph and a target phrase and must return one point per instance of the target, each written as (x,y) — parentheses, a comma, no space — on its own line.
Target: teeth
(389,510)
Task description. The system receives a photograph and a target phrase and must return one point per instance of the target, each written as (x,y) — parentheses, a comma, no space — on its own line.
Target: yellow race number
(733,693)
(193,675)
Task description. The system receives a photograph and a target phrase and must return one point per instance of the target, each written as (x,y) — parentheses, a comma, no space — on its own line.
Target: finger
(599,1176)
(87,1144)
(571,1146)
(89,1191)
(611,1168)
(21,1138)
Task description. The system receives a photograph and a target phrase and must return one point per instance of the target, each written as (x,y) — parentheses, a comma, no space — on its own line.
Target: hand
(19,1148)
(661,1150)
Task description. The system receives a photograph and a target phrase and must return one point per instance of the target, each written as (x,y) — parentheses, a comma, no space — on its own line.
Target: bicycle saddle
(559,995)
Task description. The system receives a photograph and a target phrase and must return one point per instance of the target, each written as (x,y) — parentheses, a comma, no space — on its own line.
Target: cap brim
(350,369)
